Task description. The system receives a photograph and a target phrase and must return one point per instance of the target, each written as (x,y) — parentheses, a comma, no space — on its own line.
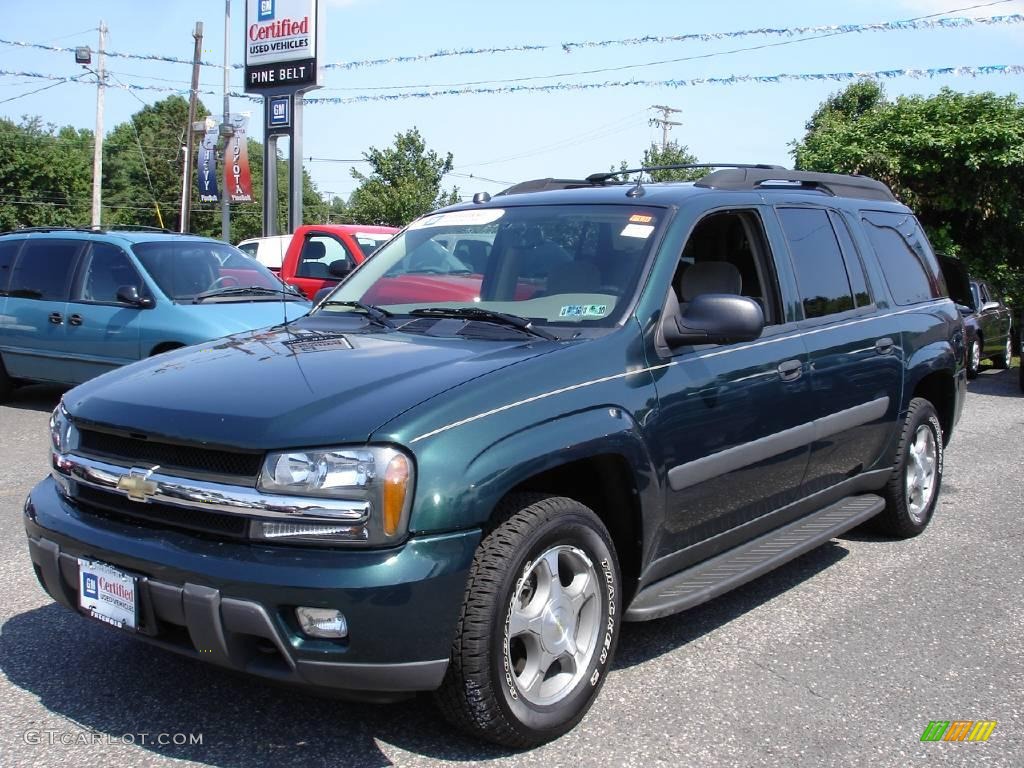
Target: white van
(269,251)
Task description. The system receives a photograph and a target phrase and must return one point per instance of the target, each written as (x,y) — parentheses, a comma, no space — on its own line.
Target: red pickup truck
(319,255)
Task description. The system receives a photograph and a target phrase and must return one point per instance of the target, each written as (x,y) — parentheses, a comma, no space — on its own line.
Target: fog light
(322,622)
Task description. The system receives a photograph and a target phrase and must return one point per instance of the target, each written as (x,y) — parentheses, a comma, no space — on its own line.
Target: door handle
(884,346)
(56,318)
(791,370)
(75,319)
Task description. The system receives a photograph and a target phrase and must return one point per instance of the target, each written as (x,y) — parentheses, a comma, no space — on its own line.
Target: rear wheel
(1002,361)
(538,627)
(913,488)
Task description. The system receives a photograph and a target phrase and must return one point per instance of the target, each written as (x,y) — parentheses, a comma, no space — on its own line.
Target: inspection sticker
(637,230)
(583,310)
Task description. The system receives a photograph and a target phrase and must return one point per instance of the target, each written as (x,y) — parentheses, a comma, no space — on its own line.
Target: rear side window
(820,271)
(910,268)
(8,250)
(854,266)
(44,269)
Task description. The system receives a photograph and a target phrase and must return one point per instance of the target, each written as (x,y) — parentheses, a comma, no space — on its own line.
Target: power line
(40,90)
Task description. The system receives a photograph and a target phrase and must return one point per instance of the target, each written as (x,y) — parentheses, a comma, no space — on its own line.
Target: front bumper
(232,604)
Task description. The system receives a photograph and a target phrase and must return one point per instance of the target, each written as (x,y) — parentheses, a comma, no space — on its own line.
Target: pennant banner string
(953,22)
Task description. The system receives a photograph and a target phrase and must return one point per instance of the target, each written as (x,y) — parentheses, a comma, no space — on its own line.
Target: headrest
(710,277)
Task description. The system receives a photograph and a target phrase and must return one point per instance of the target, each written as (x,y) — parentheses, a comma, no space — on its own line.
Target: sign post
(283,55)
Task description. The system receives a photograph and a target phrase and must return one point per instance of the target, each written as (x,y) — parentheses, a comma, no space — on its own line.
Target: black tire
(481,692)
(1002,361)
(974,358)
(6,384)
(899,519)
(1021,375)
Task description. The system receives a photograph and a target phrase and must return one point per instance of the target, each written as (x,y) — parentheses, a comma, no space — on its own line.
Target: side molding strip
(731,459)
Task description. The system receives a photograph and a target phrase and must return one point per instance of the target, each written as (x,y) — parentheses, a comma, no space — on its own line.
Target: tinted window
(976,295)
(44,269)
(318,253)
(820,271)
(854,266)
(910,268)
(107,269)
(249,248)
(8,250)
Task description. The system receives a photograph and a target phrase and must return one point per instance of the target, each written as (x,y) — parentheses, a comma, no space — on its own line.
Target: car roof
(372,229)
(124,235)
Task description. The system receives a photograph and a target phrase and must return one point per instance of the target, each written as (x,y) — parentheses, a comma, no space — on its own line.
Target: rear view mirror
(321,295)
(340,268)
(129,294)
(990,305)
(715,318)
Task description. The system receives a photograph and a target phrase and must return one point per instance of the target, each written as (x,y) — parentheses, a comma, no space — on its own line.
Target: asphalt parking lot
(841,657)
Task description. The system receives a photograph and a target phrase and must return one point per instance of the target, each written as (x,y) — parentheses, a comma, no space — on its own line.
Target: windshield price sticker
(459,218)
(641,218)
(637,230)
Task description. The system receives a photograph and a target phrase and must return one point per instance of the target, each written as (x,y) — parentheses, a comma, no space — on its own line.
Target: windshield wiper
(487,316)
(238,290)
(374,313)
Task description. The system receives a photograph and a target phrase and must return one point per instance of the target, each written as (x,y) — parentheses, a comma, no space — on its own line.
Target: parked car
(989,327)
(75,303)
(319,255)
(464,483)
(268,251)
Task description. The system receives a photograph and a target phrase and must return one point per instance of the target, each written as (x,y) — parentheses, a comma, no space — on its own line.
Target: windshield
(558,265)
(186,268)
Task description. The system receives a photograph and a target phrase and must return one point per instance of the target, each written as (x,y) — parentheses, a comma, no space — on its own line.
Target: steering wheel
(217,283)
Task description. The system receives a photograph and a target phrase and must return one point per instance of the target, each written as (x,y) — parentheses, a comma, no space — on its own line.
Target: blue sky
(511,137)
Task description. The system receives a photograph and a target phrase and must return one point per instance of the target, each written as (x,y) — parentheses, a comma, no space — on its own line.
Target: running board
(746,562)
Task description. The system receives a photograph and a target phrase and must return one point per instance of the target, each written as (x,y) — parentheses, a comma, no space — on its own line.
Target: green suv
(524,421)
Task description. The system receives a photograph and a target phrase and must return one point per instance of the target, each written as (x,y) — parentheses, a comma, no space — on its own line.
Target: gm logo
(280,111)
(266,11)
(90,586)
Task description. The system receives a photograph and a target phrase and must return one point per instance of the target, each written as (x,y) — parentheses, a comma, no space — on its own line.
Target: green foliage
(405,182)
(674,153)
(45,175)
(957,159)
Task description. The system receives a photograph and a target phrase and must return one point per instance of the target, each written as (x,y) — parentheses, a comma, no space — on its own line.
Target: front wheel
(913,488)
(6,384)
(974,359)
(1002,360)
(538,627)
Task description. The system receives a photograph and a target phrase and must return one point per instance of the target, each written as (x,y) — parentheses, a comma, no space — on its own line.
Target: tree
(45,174)
(957,159)
(405,182)
(673,153)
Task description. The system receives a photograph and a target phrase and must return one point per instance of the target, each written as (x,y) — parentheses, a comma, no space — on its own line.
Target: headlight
(63,434)
(380,475)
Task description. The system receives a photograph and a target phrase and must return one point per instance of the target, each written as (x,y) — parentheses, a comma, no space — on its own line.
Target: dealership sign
(282,43)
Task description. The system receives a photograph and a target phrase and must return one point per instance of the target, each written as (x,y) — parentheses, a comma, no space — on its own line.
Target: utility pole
(664,122)
(225,126)
(97,150)
(186,184)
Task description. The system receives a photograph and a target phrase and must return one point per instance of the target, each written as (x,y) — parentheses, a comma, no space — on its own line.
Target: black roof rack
(23,230)
(115,228)
(600,178)
(837,184)
(544,185)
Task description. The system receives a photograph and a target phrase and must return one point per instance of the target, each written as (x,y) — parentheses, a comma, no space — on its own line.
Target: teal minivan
(75,303)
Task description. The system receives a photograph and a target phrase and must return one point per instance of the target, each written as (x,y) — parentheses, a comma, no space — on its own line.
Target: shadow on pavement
(36,397)
(108,683)
(997,383)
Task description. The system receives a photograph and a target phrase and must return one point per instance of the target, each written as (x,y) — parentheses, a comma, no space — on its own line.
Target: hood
(222,318)
(303,385)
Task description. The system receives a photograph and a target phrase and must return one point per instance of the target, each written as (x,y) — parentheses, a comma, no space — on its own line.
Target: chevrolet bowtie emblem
(136,484)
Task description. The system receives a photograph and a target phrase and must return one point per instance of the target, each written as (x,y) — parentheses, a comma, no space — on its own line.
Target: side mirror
(340,268)
(715,318)
(129,294)
(321,295)
(990,305)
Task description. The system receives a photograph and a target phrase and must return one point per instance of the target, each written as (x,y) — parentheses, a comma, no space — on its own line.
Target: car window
(318,253)
(185,268)
(249,248)
(8,250)
(976,295)
(107,268)
(910,268)
(820,269)
(44,269)
(370,241)
(854,265)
